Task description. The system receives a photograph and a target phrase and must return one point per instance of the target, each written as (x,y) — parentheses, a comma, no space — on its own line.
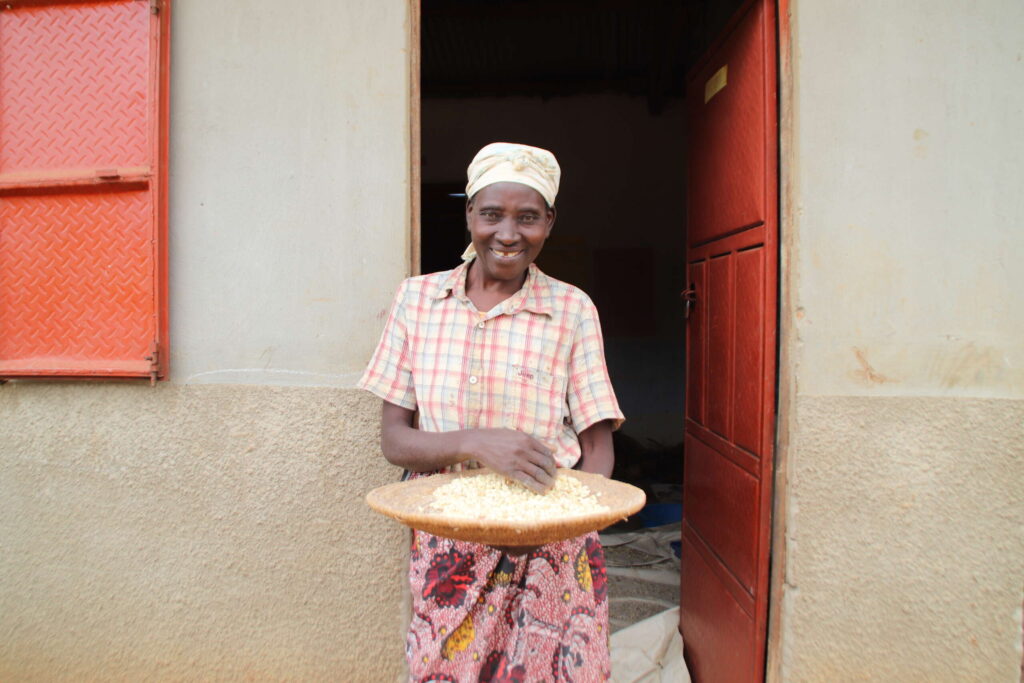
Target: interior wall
(619,230)
(902,376)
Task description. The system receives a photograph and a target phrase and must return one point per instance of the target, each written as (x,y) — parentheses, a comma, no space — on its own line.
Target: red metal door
(83,201)
(731,348)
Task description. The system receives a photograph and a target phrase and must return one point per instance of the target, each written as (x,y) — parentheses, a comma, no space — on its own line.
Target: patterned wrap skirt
(482,615)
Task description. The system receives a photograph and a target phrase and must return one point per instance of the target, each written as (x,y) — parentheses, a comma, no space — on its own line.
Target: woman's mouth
(506,255)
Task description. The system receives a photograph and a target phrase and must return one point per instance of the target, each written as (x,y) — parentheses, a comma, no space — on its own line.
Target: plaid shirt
(535,362)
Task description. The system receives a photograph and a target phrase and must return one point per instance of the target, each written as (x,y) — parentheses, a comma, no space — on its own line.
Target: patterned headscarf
(507,162)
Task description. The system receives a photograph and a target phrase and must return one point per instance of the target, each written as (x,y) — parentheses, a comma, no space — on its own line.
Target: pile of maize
(491,496)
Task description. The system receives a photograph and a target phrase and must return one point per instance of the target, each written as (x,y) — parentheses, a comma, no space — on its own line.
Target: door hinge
(154,362)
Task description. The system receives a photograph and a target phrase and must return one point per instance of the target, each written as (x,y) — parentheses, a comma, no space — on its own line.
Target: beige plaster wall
(910,156)
(900,514)
(289,186)
(195,533)
(212,528)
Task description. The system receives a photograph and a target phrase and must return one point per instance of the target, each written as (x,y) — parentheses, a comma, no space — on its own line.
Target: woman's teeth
(506,254)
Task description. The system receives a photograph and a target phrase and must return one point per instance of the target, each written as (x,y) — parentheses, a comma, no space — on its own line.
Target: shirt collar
(534,296)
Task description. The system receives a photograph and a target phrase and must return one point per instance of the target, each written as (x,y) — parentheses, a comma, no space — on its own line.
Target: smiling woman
(505,367)
(508,224)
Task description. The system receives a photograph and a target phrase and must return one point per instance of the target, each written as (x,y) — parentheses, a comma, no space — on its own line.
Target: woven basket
(409,503)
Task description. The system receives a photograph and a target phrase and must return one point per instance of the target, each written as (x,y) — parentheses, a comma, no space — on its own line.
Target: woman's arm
(514,454)
(598,454)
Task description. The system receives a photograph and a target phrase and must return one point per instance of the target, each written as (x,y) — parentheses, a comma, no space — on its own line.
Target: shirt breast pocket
(533,401)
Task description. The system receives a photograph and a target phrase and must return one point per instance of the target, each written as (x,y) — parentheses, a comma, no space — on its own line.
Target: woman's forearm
(409,448)
(598,453)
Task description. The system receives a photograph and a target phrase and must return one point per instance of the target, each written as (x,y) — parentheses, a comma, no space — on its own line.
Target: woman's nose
(507,231)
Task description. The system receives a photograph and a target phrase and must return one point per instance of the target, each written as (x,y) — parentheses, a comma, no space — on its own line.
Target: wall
(194,533)
(290,179)
(212,527)
(902,407)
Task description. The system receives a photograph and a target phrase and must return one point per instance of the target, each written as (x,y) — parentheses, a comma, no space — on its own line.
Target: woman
(506,369)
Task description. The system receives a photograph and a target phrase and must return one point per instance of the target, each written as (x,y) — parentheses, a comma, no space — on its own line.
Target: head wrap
(507,162)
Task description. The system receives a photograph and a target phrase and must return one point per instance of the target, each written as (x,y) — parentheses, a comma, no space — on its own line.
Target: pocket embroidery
(532,403)
(527,375)
(524,374)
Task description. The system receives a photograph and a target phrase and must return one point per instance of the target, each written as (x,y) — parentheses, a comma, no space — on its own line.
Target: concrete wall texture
(903,369)
(195,533)
(202,531)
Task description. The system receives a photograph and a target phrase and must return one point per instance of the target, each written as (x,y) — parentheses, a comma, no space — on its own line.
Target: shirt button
(480,325)
(473,379)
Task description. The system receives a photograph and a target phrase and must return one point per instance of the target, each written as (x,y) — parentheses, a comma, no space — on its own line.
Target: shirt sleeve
(389,374)
(591,398)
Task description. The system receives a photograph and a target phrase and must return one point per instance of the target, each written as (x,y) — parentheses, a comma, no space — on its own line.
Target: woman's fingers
(518,456)
(530,482)
(546,460)
(540,475)
(538,463)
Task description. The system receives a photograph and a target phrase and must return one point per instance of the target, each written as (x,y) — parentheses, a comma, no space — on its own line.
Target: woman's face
(508,223)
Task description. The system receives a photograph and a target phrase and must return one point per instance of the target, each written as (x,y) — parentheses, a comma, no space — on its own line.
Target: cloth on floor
(650,651)
(643,573)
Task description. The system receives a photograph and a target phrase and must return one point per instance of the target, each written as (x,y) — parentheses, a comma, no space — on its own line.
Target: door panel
(747,384)
(722,509)
(54,301)
(720,331)
(83,188)
(728,136)
(718,631)
(696,352)
(731,347)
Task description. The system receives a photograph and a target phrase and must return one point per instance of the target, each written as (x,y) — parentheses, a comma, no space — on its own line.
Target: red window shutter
(83,188)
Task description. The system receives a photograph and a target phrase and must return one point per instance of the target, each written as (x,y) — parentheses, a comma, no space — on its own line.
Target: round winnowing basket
(409,503)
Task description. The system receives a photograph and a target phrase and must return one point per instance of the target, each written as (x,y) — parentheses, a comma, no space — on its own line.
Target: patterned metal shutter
(83,178)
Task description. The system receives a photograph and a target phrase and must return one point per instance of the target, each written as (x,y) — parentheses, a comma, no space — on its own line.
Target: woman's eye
(528,218)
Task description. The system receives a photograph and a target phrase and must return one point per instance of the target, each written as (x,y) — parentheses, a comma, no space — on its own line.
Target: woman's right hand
(514,454)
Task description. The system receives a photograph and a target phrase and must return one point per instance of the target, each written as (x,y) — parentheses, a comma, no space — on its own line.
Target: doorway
(600,85)
(603,86)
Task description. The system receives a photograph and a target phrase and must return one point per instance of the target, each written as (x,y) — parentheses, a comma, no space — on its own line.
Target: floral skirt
(482,615)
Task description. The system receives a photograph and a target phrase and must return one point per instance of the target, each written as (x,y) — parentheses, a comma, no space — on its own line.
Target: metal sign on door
(83,115)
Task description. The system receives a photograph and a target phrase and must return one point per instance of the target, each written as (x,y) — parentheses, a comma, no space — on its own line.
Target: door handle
(689,297)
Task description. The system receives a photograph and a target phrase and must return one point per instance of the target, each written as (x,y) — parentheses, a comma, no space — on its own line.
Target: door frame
(414,134)
(785,378)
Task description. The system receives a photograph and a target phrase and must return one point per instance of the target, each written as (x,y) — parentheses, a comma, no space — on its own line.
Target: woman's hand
(515,455)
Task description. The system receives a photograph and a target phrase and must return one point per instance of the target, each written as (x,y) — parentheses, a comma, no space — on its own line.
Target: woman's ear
(552,214)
